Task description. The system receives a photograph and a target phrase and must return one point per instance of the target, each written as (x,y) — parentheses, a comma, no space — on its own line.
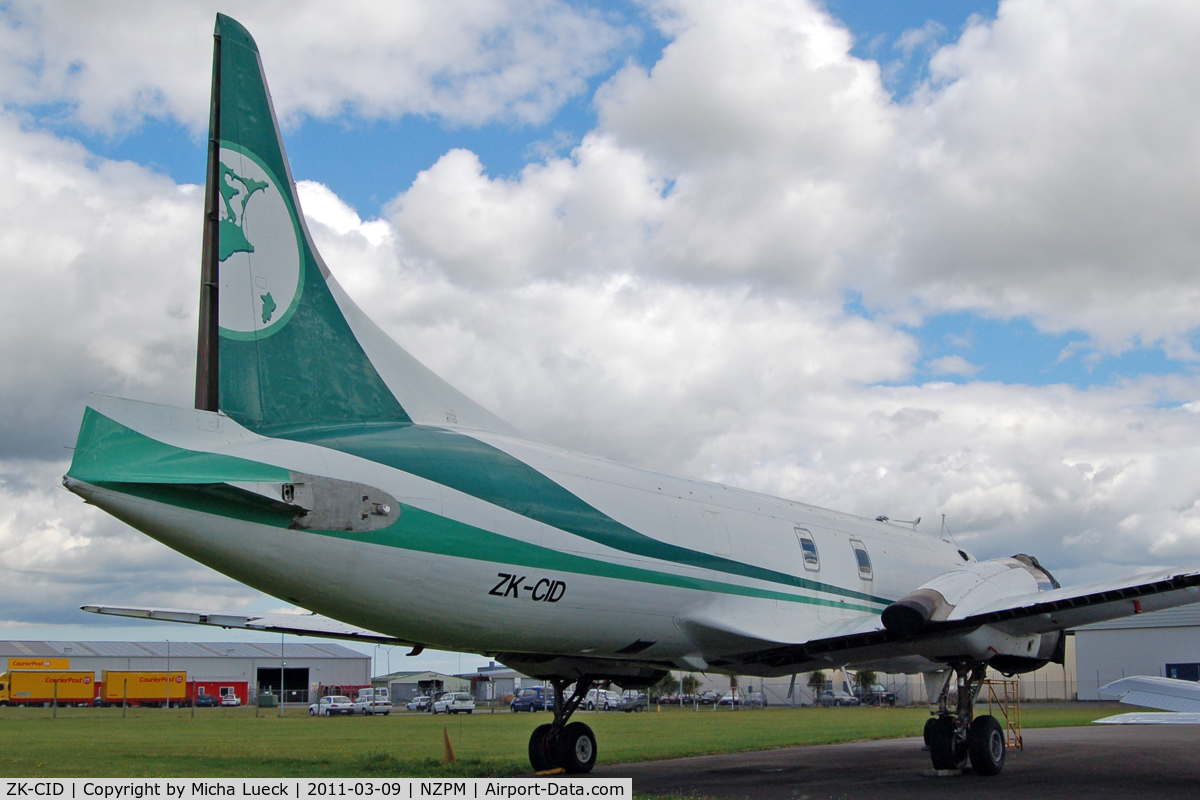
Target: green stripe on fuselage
(484,472)
(431,533)
(422,531)
(117,457)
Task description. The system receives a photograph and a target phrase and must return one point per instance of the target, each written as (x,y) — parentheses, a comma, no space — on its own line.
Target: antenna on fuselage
(913,522)
(946,535)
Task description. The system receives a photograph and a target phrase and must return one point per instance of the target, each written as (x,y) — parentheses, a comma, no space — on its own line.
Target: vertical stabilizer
(287,357)
(283,349)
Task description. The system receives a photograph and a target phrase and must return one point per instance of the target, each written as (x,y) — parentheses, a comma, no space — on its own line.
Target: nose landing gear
(955,738)
(570,745)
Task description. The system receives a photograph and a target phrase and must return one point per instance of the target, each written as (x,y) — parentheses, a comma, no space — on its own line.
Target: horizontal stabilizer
(295,624)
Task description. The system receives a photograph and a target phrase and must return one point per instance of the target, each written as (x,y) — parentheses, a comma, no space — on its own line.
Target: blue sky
(366,162)
(782,307)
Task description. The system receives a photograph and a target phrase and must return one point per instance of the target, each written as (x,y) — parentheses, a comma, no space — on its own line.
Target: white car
(454,703)
(601,699)
(230,700)
(372,701)
(331,705)
(420,703)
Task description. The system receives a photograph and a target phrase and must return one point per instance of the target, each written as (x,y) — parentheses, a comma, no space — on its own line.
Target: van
(533,698)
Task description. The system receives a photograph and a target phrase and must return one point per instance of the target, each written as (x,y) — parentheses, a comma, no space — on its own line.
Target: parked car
(632,702)
(601,699)
(207,701)
(454,703)
(230,701)
(837,697)
(533,698)
(419,703)
(730,698)
(371,701)
(875,696)
(707,698)
(331,706)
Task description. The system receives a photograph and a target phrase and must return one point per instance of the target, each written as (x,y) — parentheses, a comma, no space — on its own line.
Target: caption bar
(190,789)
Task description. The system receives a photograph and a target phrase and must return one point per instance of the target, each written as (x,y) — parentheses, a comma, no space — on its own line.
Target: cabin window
(808,549)
(864,560)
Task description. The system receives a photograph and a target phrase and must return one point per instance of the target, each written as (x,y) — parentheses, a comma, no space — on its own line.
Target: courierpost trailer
(141,688)
(35,687)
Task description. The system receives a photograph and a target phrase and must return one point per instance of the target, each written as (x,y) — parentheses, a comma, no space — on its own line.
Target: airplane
(324,465)
(1180,698)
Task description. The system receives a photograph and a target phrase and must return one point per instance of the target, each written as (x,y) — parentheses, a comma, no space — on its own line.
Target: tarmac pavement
(1092,763)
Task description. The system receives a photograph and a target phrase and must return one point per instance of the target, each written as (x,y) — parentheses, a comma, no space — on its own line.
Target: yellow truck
(37,686)
(141,688)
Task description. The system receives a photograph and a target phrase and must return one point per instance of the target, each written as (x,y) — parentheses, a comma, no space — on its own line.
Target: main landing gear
(571,746)
(955,738)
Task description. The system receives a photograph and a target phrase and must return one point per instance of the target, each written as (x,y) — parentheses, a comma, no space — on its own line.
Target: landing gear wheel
(577,748)
(929,731)
(541,749)
(945,748)
(985,741)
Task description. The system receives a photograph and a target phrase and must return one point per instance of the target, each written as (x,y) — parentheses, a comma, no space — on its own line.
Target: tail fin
(292,352)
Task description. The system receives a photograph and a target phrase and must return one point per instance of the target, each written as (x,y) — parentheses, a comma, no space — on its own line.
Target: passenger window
(808,548)
(864,560)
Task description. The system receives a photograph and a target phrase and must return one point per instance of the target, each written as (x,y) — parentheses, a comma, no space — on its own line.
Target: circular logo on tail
(258,246)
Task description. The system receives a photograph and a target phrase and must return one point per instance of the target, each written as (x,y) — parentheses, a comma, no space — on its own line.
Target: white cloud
(98,263)
(62,554)
(1050,171)
(952,365)
(670,292)
(790,398)
(468,61)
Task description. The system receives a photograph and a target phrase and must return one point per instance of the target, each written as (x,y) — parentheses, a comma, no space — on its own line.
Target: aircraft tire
(945,749)
(577,748)
(541,749)
(985,741)
(929,731)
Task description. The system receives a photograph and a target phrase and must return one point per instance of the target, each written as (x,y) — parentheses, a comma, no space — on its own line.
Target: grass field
(221,742)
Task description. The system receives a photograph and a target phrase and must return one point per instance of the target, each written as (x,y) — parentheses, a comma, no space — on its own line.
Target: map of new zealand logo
(257,245)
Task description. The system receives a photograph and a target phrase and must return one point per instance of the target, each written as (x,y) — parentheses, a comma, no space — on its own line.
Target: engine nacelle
(962,592)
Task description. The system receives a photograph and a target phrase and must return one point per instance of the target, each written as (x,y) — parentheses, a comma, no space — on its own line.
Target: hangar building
(404,686)
(307,666)
(1164,643)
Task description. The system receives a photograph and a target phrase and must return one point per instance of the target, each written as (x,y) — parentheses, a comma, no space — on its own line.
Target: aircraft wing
(1150,718)
(1017,616)
(296,624)
(1074,606)
(1151,691)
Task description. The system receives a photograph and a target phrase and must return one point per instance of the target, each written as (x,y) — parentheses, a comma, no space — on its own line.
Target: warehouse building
(404,686)
(308,668)
(1163,643)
